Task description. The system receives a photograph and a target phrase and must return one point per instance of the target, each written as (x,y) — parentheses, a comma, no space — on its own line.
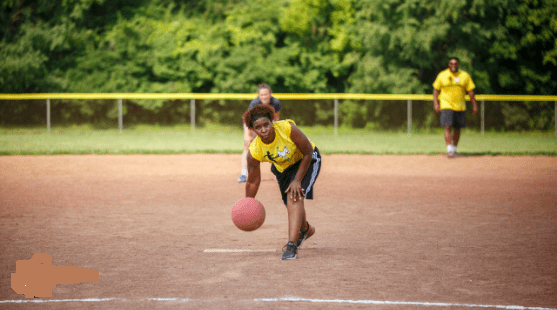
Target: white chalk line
(409,303)
(236,250)
(170,299)
(23,301)
(291,299)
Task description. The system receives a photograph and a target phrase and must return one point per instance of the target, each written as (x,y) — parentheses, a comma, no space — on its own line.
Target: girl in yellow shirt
(296,163)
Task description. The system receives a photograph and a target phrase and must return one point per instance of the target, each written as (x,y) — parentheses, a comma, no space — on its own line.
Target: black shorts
(452,118)
(287,176)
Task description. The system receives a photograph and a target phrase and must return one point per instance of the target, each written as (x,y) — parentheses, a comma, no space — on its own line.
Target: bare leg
(448,135)
(456,136)
(296,218)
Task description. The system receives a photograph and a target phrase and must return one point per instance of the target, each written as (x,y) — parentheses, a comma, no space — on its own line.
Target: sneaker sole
(290,258)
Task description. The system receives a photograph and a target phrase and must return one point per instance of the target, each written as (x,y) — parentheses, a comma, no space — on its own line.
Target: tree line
(296,46)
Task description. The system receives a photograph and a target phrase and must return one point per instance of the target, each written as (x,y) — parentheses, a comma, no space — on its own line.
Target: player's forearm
(435,97)
(304,165)
(472,97)
(252,188)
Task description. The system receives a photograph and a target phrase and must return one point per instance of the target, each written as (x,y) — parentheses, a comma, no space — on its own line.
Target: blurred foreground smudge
(37,277)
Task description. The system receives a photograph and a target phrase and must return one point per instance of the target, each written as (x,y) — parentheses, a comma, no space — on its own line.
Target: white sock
(449,148)
(454,148)
(244,171)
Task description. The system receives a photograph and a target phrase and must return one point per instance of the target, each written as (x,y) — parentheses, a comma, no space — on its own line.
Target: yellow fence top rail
(285,96)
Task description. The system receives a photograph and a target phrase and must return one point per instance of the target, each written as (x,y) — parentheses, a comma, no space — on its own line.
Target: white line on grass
(291,299)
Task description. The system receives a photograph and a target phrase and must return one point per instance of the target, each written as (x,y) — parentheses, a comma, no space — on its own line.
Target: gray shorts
(453,118)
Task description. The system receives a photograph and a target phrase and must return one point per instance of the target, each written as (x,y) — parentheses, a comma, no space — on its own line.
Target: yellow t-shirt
(282,152)
(452,88)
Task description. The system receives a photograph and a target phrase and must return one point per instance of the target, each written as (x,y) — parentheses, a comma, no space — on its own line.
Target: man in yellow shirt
(450,88)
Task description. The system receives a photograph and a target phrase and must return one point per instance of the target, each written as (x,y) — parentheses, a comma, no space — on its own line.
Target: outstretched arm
(303,144)
(254,176)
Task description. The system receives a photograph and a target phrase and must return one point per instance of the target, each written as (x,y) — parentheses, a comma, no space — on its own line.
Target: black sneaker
(291,251)
(303,235)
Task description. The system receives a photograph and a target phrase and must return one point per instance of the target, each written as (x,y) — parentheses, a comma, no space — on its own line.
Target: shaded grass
(228,140)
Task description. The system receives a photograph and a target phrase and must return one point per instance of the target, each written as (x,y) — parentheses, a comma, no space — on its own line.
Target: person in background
(449,90)
(263,97)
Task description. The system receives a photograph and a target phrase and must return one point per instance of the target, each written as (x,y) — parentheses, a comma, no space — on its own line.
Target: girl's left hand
(295,189)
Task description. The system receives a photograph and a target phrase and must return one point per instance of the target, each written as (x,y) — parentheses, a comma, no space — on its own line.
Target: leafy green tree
(403,44)
(42,39)
(296,46)
(526,57)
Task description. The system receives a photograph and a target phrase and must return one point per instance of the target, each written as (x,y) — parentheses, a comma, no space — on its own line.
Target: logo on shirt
(271,157)
(280,154)
(283,153)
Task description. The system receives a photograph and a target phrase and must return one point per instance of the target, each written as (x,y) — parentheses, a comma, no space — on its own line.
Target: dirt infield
(393,232)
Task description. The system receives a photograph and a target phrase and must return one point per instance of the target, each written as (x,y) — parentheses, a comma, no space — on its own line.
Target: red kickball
(248,214)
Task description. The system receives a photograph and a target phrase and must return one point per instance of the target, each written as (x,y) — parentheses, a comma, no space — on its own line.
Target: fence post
(482,116)
(555,118)
(336,117)
(409,116)
(192,114)
(48,115)
(120,119)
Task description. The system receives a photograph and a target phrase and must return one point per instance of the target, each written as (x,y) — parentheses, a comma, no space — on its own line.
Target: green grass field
(228,140)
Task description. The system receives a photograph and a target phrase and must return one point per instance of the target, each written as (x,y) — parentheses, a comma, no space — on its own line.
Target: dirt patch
(469,230)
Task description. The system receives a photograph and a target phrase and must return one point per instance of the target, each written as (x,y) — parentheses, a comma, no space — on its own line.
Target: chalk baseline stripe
(21,301)
(170,299)
(235,250)
(410,303)
(57,300)
(293,299)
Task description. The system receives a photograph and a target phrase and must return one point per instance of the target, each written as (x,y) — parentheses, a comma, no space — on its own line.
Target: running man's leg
(449,140)
(456,136)
(448,122)
(448,135)
(459,122)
